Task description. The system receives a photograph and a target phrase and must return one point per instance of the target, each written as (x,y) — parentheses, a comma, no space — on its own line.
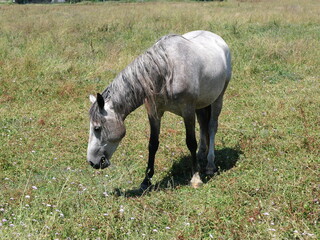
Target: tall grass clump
(267,146)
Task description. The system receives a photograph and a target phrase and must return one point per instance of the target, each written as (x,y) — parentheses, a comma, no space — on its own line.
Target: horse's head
(106,131)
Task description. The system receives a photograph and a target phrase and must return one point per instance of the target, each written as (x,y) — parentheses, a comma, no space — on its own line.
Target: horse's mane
(149,75)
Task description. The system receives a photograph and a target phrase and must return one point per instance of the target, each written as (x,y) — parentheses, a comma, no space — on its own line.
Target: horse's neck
(137,83)
(126,99)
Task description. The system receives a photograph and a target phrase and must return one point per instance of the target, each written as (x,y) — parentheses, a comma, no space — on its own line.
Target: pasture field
(53,56)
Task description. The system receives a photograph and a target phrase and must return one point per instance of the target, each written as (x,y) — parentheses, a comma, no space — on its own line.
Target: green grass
(268,143)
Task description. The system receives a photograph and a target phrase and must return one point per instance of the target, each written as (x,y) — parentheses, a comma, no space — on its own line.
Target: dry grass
(268,145)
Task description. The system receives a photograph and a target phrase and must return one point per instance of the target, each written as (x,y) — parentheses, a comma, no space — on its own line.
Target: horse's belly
(206,100)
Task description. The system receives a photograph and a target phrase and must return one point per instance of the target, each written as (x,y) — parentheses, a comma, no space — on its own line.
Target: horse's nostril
(103,163)
(96,166)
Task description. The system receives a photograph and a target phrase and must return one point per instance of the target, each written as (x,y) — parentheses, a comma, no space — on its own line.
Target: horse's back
(206,39)
(202,67)
(212,44)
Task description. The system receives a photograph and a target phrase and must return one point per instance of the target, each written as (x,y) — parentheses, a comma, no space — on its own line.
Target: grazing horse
(184,74)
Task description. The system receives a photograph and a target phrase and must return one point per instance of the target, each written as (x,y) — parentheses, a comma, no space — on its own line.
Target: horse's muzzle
(104,163)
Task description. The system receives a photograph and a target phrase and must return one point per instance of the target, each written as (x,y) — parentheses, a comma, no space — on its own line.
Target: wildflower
(121,209)
(168,228)
(4,220)
(272,229)
(132,218)
(210,235)
(105,214)
(266,214)
(308,234)
(154,230)
(11,225)
(187,224)
(1,209)
(27,196)
(34,188)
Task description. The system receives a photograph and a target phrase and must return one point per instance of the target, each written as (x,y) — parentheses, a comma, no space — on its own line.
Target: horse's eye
(97,128)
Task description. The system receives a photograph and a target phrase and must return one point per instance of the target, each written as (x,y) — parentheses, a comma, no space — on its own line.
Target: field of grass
(53,56)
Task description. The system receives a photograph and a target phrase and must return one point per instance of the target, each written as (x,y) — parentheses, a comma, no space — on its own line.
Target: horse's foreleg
(189,121)
(153,147)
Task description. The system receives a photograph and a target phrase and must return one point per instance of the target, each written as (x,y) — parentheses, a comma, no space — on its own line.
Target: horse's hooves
(145,187)
(196,184)
(196,181)
(211,171)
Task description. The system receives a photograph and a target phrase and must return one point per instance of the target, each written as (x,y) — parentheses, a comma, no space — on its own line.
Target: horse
(185,74)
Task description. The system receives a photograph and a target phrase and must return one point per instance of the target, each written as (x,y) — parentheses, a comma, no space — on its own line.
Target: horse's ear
(92,99)
(100,101)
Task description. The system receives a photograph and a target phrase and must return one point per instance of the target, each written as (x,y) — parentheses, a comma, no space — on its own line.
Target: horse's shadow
(180,173)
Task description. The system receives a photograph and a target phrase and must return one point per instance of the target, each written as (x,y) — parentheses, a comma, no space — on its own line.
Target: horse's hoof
(196,181)
(145,187)
(211,171)
(196,184)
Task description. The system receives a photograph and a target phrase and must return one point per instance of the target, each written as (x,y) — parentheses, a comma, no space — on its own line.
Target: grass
(268,143)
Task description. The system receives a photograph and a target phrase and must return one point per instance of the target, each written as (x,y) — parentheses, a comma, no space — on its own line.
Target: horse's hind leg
(203,116)
(189,120)
(213,127)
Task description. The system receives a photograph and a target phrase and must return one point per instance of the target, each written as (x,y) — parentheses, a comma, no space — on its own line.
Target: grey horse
(184,74)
